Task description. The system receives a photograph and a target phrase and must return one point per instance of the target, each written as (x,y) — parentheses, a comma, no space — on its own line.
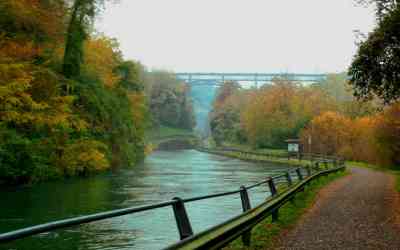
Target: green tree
(375,70)
(169,100)
(82,14)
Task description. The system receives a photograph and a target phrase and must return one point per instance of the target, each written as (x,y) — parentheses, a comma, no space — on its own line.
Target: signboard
(293,147)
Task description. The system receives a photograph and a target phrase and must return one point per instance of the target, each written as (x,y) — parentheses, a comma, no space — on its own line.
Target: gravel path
(359,211)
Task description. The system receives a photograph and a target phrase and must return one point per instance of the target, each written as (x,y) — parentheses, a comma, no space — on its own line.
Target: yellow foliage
(18,106)
(326,133)
(138,105)
(334,134)
(101,58)
(83,157)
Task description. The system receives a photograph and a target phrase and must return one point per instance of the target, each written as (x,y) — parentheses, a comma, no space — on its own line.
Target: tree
(382,7)
(375,69)
(82,14)
(280,110)
(225,115)
(388,134)
(169,100)
(327,133)
(102,58)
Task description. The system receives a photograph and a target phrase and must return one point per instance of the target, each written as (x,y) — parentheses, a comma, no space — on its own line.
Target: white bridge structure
(216,79)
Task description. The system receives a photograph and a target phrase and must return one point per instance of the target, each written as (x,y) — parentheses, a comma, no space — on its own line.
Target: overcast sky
(308,36)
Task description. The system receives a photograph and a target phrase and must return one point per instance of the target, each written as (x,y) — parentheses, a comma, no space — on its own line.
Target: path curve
(358,211)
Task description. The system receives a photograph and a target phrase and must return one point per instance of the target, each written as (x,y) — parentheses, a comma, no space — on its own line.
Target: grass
(265,233)
(155,136)
(271,151)
(391,170)
(258,158)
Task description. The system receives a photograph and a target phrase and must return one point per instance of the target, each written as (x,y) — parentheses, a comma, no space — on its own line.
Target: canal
(163,175)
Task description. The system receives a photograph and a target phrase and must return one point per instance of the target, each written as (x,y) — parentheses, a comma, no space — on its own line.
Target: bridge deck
(218,78)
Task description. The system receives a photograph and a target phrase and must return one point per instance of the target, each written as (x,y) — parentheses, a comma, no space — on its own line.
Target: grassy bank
(156,136)
(264,235)
(245,147)
(165,132)
(262,158)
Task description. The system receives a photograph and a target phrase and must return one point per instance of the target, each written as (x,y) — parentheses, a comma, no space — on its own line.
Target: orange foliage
(326,134)
(19,51)
(278,111)
(138,105)
(373,139)
(101,58)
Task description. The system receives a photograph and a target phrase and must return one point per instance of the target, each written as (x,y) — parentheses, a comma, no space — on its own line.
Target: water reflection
(162,176)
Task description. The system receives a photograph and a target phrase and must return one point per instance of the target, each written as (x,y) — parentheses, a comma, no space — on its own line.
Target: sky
(265,36)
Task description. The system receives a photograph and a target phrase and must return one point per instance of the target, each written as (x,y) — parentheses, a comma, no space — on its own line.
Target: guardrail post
(272,187)
(308,170)
(299,175)
(289,179)
(182,219)
(244,196)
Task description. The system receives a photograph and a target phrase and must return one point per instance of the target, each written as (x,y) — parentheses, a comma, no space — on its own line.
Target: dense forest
(70,104)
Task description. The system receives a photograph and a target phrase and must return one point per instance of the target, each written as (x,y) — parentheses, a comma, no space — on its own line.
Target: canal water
(163,175)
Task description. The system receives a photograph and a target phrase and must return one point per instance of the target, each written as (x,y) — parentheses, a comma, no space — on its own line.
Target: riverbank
(168,138)
(257,156)
(266,233)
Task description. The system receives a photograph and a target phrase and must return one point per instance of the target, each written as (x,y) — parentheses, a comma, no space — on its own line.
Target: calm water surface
(163,175)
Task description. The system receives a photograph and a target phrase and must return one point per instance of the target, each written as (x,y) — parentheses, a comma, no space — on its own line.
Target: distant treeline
(325,115)
(169,101)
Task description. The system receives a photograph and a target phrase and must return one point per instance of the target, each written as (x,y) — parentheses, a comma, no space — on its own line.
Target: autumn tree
(326,134)
(45,131)
(388,134)
(337,87)
(280,110)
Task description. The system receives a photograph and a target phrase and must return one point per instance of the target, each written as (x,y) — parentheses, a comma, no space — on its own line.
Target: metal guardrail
(216,236)
(222,234)
(319,158)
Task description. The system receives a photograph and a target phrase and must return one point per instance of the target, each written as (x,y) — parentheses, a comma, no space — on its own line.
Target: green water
(163,175)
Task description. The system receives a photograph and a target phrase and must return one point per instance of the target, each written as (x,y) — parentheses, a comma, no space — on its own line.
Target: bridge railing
(294,178)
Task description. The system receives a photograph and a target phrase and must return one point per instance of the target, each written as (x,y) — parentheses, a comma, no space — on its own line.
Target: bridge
(215,79)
